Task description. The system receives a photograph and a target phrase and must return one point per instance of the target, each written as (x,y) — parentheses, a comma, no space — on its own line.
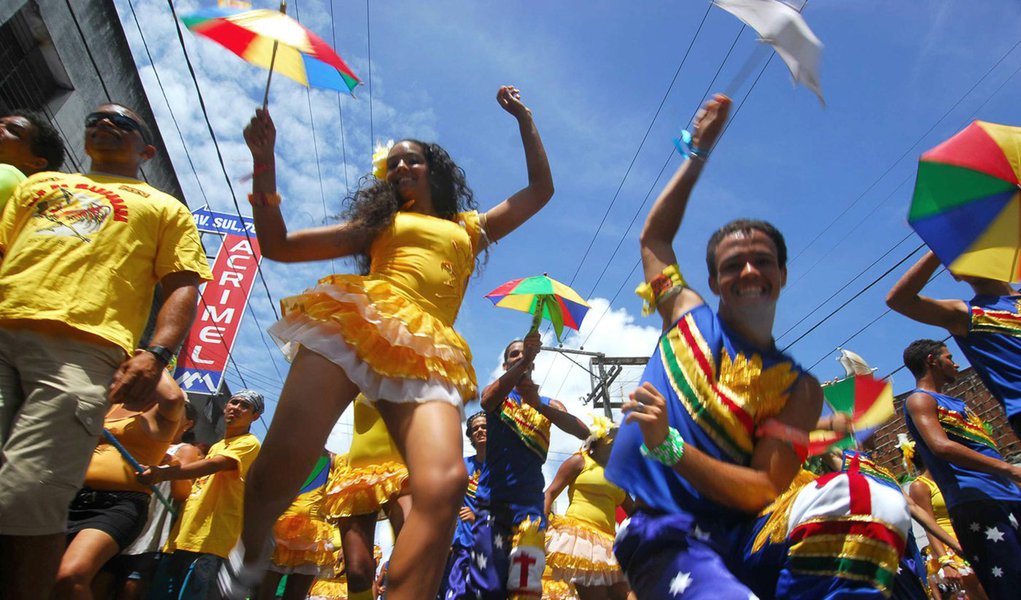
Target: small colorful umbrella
(545,298)
(966,205)
(868,400)
(274,41)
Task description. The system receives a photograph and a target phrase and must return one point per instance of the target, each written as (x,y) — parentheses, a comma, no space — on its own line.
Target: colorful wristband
(669,452)
(659,288)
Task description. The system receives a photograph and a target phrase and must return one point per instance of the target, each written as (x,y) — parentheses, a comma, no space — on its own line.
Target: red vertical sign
(203,357)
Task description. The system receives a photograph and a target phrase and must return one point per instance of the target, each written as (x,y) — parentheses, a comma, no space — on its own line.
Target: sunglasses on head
(119,121)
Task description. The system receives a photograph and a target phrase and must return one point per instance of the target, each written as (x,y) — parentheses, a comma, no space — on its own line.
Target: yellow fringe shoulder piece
(775,529)
(661,287)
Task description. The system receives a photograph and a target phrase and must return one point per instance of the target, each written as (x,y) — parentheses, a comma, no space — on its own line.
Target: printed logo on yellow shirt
(77,212)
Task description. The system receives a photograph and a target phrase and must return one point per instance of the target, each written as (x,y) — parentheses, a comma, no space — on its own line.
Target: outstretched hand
(709,122)
(509,98)
(647,407)
(261,136)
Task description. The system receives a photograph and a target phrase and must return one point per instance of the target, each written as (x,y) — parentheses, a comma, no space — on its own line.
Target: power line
(216,145)
(906,152)
(315,148)
(340,112)
(642,144)
(852,299)
(368,45)
(170,107)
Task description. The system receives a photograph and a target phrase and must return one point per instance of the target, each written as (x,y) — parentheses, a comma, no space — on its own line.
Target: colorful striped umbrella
(274,41)
(545,298)
(868,400)
(966,205)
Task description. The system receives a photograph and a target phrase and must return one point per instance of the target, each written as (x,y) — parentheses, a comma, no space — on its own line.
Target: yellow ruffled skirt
(581,553)
(303,542)
(364,490)
(388,345)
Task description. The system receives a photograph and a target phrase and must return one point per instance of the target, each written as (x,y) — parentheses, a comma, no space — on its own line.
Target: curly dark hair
(373,205)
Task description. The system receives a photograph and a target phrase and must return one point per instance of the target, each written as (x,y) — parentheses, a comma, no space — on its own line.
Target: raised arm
(664,219)
(276,243)
(566,474)
(922,408)
(508,215)
(907,299)
(136,378)
(773,464)
(495,393)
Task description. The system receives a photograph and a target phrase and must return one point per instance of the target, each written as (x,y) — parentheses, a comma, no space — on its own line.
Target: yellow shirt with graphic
(88,250)
(210,521)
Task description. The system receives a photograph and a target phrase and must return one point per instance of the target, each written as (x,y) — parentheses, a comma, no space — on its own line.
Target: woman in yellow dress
(579,544)
(387,334)
(942,562)
(372,479)
(303,539)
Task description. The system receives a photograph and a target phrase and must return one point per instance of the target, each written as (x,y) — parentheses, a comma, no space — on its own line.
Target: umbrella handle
(540,304)
(272,61)
(137,467)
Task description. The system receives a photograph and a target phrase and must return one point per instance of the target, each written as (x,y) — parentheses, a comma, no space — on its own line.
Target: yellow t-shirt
(88,250)
(210,521)
(593,498)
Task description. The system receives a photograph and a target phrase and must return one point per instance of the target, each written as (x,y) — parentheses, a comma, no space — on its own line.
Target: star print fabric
(670,556)
(508,554)
(989,534)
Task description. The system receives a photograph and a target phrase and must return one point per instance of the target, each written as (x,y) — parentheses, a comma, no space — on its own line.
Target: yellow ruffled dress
(579,544)
(304,540)
(392,330)
(374,472)
(939,510)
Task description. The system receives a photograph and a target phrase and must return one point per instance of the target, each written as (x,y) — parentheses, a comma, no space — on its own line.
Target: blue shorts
(508,553)
(989,533)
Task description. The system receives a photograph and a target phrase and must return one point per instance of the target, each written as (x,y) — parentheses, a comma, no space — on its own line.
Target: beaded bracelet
(264,199)
(669,452)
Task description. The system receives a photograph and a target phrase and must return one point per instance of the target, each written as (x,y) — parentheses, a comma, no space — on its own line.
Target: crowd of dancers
(103,493)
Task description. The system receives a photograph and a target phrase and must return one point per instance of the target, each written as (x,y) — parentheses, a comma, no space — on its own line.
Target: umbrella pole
(272,61)
(540,303)
(137,467)
(269,78)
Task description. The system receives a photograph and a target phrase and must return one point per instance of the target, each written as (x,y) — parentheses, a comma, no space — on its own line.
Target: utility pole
(603,371)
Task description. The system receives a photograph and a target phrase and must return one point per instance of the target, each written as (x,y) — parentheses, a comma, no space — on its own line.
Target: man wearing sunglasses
(81,256)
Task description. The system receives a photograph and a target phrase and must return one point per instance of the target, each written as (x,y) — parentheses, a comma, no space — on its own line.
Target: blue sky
(898,78)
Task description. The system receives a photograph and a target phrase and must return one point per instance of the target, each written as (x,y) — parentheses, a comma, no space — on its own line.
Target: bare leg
(315,394)
(357,537)
(429,437)
(29,565)
(87,553)
(397,512)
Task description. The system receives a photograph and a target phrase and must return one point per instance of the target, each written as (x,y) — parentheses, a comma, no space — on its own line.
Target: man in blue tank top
(987,328)
(509,532)
(455,580)
(979,487)
(718,428)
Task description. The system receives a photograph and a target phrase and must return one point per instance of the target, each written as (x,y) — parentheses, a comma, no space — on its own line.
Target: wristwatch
(164,355)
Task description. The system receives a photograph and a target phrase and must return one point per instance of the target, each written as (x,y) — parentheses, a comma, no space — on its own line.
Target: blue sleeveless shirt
(993,346)
(517,441)
(718,388)
(463,533)
(961,484)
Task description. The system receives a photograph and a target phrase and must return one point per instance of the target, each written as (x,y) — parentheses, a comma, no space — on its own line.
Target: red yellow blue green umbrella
(967,206)
(544,298)
(868,401)
(274,41)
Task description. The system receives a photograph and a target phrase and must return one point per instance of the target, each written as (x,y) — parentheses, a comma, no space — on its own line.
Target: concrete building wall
(86,38)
